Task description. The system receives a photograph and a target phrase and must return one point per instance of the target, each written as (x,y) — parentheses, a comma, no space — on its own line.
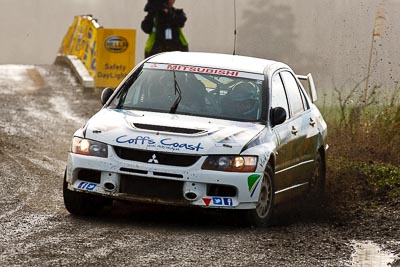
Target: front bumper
(154,183)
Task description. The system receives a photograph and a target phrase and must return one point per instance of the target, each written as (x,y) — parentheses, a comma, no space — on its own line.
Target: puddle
(368,254)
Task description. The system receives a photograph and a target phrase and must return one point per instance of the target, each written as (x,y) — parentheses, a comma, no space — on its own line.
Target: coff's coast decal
(165,143)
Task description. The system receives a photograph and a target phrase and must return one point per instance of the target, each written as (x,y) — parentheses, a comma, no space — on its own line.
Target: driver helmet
(244,99)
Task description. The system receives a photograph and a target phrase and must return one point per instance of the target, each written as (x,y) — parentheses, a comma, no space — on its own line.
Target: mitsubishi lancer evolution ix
(201,129)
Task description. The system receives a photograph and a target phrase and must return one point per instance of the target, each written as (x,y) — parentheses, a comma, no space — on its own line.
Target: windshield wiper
(174,106)
(120,102)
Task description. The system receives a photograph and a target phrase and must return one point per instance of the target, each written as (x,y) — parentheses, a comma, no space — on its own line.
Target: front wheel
(83,204)
(262,214)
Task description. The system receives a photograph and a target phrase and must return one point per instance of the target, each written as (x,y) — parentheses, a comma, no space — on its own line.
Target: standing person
(164,25)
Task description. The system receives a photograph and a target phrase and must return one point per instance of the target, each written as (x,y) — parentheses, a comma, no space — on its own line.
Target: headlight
(89,147)
(230,163)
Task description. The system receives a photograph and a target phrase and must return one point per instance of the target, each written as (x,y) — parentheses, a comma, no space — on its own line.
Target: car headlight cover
(230,163)
(89,147)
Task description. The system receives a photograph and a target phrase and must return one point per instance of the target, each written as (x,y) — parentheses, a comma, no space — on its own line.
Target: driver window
(278,94)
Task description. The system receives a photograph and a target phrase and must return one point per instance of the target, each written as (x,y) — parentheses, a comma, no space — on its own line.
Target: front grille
(162,189)
(166,174)
(161,157)
(133,170)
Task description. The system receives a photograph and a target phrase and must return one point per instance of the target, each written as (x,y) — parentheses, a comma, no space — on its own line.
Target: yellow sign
(107,54)
(115,56)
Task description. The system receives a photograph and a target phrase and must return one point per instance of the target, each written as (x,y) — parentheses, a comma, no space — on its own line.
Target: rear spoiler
(311,85)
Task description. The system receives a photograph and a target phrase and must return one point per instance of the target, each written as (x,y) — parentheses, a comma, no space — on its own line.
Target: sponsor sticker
(165,143)
(252,182)
(116,44)
(87,186)
(222,201)
(207,201)
(262,160)
(228,201)
(217,201)
(205,70)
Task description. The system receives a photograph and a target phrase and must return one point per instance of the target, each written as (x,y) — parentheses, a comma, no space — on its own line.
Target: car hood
(170,132)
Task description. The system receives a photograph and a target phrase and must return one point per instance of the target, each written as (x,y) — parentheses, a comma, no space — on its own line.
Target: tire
(82,204)
(316,189)
(262,214)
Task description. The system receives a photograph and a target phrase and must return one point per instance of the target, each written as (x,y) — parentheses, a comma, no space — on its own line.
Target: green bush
(364,140)
(383,179)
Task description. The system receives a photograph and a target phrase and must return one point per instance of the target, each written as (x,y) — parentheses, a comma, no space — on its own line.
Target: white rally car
(200,129)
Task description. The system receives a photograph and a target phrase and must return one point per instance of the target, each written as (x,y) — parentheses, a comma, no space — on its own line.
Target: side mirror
(278,116)
(105,95)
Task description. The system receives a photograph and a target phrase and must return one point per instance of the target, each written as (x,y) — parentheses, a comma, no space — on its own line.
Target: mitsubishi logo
(153,159)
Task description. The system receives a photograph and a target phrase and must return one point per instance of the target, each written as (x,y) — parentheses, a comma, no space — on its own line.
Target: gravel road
(42,106)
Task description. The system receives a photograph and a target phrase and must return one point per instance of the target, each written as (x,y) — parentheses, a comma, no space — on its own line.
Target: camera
(155,5)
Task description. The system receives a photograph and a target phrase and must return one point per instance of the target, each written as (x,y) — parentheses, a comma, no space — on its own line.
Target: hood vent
(159,128)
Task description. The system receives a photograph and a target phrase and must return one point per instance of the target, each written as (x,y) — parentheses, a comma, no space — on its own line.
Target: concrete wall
(331,39)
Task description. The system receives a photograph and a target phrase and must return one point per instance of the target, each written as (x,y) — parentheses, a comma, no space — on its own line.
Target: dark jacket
(164,31)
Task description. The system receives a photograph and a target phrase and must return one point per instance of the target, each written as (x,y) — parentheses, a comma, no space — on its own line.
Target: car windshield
(192,93)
